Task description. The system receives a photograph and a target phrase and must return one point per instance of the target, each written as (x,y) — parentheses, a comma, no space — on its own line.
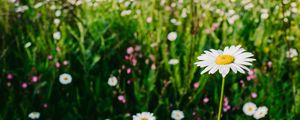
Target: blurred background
(123,57)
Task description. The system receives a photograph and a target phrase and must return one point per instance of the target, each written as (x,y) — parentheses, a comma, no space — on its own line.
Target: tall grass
(94,41)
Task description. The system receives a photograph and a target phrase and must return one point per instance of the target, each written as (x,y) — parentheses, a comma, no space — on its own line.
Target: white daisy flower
(34,115)
(173,61)
(260,112)
(112,81)
(177,115)
(249,108)
(56,21)
(143,116)
(65,78)
(22,8)
(172,36)
(233,57)
(58,13)
(56,35)
(292,53)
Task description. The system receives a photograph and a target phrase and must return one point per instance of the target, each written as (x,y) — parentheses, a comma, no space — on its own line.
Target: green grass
(94,41)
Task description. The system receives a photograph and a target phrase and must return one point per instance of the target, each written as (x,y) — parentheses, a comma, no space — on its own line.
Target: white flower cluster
(250,109)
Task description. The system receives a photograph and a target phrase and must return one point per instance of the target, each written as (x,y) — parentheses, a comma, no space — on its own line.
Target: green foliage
(93,46)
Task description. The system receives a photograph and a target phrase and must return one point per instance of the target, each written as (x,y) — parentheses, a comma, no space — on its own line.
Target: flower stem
(221,99)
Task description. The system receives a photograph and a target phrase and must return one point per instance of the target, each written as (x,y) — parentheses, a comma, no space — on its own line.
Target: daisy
(260,112)
(233,57)
(172,36)
(144,116)
(56,35)
(112,81)
(177,115)
(173,61)
(34,115)
(249,108)
(65,78)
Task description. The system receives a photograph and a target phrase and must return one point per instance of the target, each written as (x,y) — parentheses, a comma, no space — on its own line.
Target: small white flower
(65,78)
(143,116)
(292,53)
(173,61)
(112,81)
(125,12)
(248,6)
(12,1)
(177,115)
(172,36)
(27,45)
(184,13)
(260,112)
(264,15)
(233,57)
(22,8)
(34,115)
(56,35)
(249,108)
(56,21)
(58,13)
(39,4)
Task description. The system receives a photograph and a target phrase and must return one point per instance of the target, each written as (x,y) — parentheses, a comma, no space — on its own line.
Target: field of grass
(131,56)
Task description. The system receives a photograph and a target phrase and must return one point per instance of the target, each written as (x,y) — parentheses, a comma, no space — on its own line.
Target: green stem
(221,99)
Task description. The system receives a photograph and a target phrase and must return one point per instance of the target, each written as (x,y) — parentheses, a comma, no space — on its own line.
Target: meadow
(114,59)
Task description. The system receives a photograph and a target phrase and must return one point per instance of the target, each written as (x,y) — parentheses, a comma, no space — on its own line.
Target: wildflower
(122,99)
(177,114)
(21,8)
(196,85)
(65,78)
(149,19)
(172,36)
(260,112)
(24,85)
(226,106)
(233,57)
(144,116)
(57,65)
(130,50)
(56,35)
(27,45)
(34,79)
(292,53)
(65,62)
(173,61)
(34,115)
(249,108)
(9,76)
(205,100)
(39,4)
(125,12)
(112,81)
(56,21)
(253,95)
(58,13)
(49,57)
(264,13)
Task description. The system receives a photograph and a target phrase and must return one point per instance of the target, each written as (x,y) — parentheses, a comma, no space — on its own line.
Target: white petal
(214,69)
(226,70)
(206,69)
(245,68)
(233,68)
(238,68)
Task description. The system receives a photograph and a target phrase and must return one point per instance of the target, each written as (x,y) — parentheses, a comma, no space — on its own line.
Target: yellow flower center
(144,118)
(250,108)
(224,59)
(65,78)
